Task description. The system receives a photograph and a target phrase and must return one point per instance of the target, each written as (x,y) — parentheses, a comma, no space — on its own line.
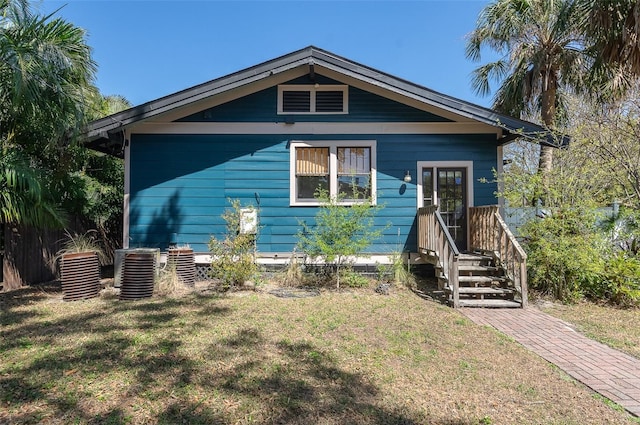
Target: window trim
(443,164)
(333,146)
(313,89)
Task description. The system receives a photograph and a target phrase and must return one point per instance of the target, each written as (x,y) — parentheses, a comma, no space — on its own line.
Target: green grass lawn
(349,357)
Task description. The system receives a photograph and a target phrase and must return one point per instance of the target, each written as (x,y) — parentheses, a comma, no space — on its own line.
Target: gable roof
(105,134)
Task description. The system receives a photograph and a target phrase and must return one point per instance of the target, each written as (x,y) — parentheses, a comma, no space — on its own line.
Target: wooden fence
(29,254)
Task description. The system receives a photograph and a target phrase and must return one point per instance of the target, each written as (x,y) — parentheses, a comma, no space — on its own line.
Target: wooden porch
(493,273)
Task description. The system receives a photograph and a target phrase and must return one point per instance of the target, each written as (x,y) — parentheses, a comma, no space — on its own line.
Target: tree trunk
(546,160)
(548,113)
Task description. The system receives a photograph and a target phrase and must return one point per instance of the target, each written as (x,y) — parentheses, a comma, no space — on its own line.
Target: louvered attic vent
(329,101)
(296,101)
(312,99)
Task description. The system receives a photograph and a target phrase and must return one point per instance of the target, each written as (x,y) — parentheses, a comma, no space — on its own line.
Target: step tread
(472,268)
(491,303)
(481,279)
(485,290)
(475,257)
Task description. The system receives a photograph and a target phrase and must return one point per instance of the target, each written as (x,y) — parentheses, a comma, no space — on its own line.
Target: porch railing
(435,240)
(488,232)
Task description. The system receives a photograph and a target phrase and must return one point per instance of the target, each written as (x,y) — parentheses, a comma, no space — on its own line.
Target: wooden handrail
(435,239)
(489,232)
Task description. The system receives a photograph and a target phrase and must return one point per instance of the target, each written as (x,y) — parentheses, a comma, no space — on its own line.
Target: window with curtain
(312,171)
(341,168)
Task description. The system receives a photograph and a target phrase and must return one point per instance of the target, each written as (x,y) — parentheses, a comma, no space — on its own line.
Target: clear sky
(146,49)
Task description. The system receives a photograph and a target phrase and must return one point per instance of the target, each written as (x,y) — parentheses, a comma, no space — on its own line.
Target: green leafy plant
(341,232)
(564,253)
(621,280)
(352,279)
(233,258)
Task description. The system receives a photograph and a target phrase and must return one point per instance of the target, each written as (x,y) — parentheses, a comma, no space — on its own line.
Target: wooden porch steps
(481,283)
(494,274)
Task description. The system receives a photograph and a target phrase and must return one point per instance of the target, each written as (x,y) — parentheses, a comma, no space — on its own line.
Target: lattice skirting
(203,272)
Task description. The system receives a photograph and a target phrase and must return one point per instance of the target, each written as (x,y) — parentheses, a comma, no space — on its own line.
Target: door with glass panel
(447,188)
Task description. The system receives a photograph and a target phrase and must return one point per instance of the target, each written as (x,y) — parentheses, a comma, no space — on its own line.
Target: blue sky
(146,49)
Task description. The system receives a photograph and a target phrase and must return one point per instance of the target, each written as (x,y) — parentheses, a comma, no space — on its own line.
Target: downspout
(126,144)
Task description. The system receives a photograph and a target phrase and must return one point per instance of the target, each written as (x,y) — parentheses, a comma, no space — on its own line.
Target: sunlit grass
(342,357)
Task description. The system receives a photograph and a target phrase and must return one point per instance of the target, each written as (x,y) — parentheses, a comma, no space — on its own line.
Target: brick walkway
(611,373)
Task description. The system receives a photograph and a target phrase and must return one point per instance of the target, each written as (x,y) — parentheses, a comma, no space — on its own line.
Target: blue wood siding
(363,107)
(181,184)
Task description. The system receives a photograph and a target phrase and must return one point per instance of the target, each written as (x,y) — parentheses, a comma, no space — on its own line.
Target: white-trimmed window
(313,99)
(335,166)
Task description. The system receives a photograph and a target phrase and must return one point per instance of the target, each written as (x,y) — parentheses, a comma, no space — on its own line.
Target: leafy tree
(46,75)
(541,58)
(22,199)
(341,232)
(575,251)
(100,179)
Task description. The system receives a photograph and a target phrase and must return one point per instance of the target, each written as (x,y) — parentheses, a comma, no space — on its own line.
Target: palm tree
(110,104)
(46,75)
(45,63)
(541,57)
(22,199)
(612,30)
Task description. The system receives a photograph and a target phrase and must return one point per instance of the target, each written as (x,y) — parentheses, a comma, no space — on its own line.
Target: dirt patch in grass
(615,327)
(351,356)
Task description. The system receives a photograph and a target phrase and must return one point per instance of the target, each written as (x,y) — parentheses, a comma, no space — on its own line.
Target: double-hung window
(344,169)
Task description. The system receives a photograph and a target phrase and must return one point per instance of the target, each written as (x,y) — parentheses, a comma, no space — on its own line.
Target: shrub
(564,253)
(570,257)
(621,280)
(233,258)
(341,232)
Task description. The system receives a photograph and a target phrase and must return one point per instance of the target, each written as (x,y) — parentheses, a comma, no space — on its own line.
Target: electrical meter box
(248,221)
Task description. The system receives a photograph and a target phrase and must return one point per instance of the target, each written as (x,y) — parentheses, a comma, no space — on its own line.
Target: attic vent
(312,99)
(329,101)
(296,101)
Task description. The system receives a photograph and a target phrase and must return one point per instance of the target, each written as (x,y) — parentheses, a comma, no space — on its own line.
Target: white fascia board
(195,95)
(221,96)
(313,128)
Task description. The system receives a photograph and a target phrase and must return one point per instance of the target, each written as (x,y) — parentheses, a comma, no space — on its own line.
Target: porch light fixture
(407,177)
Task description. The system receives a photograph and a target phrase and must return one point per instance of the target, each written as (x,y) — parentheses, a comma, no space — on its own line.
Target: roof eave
(312,56)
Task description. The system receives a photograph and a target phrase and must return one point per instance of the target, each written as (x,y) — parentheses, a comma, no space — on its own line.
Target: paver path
(611,373)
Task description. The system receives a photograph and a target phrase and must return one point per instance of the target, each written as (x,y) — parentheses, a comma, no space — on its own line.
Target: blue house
(269,135)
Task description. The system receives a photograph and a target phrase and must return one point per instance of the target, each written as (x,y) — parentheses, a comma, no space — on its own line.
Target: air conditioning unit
(118,262)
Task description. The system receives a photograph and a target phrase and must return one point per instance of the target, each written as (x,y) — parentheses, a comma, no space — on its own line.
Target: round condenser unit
(80,276)
(138,275)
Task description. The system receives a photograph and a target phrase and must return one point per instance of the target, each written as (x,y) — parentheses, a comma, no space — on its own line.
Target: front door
(447,188)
